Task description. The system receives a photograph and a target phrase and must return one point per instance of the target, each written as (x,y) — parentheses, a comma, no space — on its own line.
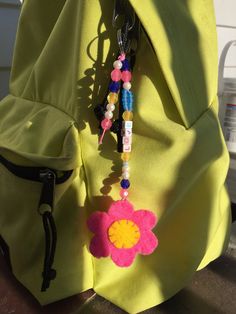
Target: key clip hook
(124,20)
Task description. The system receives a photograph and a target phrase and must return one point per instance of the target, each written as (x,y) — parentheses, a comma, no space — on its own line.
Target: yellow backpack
(49,157)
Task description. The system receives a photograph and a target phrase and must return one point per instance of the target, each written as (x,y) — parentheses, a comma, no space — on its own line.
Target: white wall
(9,12)
(225,11)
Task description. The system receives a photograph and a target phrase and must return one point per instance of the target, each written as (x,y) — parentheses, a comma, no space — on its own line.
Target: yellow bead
(125,156)
(112,98)
(127,115)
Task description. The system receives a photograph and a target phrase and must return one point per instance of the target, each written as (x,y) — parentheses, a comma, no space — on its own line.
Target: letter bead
(127,140)
(127,124)
(126,148)
(127,132)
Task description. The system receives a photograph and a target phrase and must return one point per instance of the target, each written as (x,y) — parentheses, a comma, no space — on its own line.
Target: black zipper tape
(33,173)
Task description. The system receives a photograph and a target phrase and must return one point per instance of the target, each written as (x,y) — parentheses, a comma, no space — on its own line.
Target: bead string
(127,124)
(112,97)
(121,72)
(121,232)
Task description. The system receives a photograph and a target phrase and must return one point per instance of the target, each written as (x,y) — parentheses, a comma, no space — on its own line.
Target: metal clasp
(124,19)
(123,14)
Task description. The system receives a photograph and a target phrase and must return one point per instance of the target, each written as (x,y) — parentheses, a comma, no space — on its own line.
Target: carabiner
(123,9)
(123,39)
(129,30)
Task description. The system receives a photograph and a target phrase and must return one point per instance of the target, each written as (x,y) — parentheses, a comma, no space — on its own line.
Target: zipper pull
(48,178)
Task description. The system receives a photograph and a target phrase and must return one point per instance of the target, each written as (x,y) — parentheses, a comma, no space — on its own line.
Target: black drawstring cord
(50,247)
(48,178)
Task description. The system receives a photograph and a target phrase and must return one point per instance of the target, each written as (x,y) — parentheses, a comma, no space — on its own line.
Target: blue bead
(114,87)
(127,100)
(125,184)
(126,65)
(127,95)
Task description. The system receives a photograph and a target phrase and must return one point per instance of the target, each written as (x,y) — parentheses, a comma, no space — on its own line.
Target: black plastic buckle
(48,178)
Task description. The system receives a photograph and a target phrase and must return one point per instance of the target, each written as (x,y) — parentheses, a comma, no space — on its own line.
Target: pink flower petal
(98,222)
(145,219)
(121,210)
(147,243)
(99,246)
(123,257)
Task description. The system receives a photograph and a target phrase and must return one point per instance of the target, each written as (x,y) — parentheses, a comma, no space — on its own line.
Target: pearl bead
(117,64)
(125,168)
(127,85)
(110,107)
(108,114)
(124,193)
(125,175)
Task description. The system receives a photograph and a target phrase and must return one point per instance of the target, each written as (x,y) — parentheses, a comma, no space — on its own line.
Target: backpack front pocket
(31,189)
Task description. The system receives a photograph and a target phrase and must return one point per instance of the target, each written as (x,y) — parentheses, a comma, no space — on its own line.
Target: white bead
(127,85)
(125,175)
(110,107)
(125,169)
(108,114)
(117,64)
(126,148)
(127,124)
(127,133)
(127,140)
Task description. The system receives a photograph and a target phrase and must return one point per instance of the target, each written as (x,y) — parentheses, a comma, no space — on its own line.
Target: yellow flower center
(124,234)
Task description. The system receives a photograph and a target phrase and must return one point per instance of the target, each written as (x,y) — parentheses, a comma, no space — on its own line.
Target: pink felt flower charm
(122,233)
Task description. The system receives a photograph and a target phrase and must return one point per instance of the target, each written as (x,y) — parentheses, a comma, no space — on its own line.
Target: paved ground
(212,290)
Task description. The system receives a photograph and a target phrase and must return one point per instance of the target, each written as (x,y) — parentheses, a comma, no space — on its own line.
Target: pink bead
(106,124)
(124,193)
(116,75)
(122,57)
(126,76)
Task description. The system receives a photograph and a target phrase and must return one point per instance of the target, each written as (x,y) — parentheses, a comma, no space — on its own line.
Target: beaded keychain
(122,232)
